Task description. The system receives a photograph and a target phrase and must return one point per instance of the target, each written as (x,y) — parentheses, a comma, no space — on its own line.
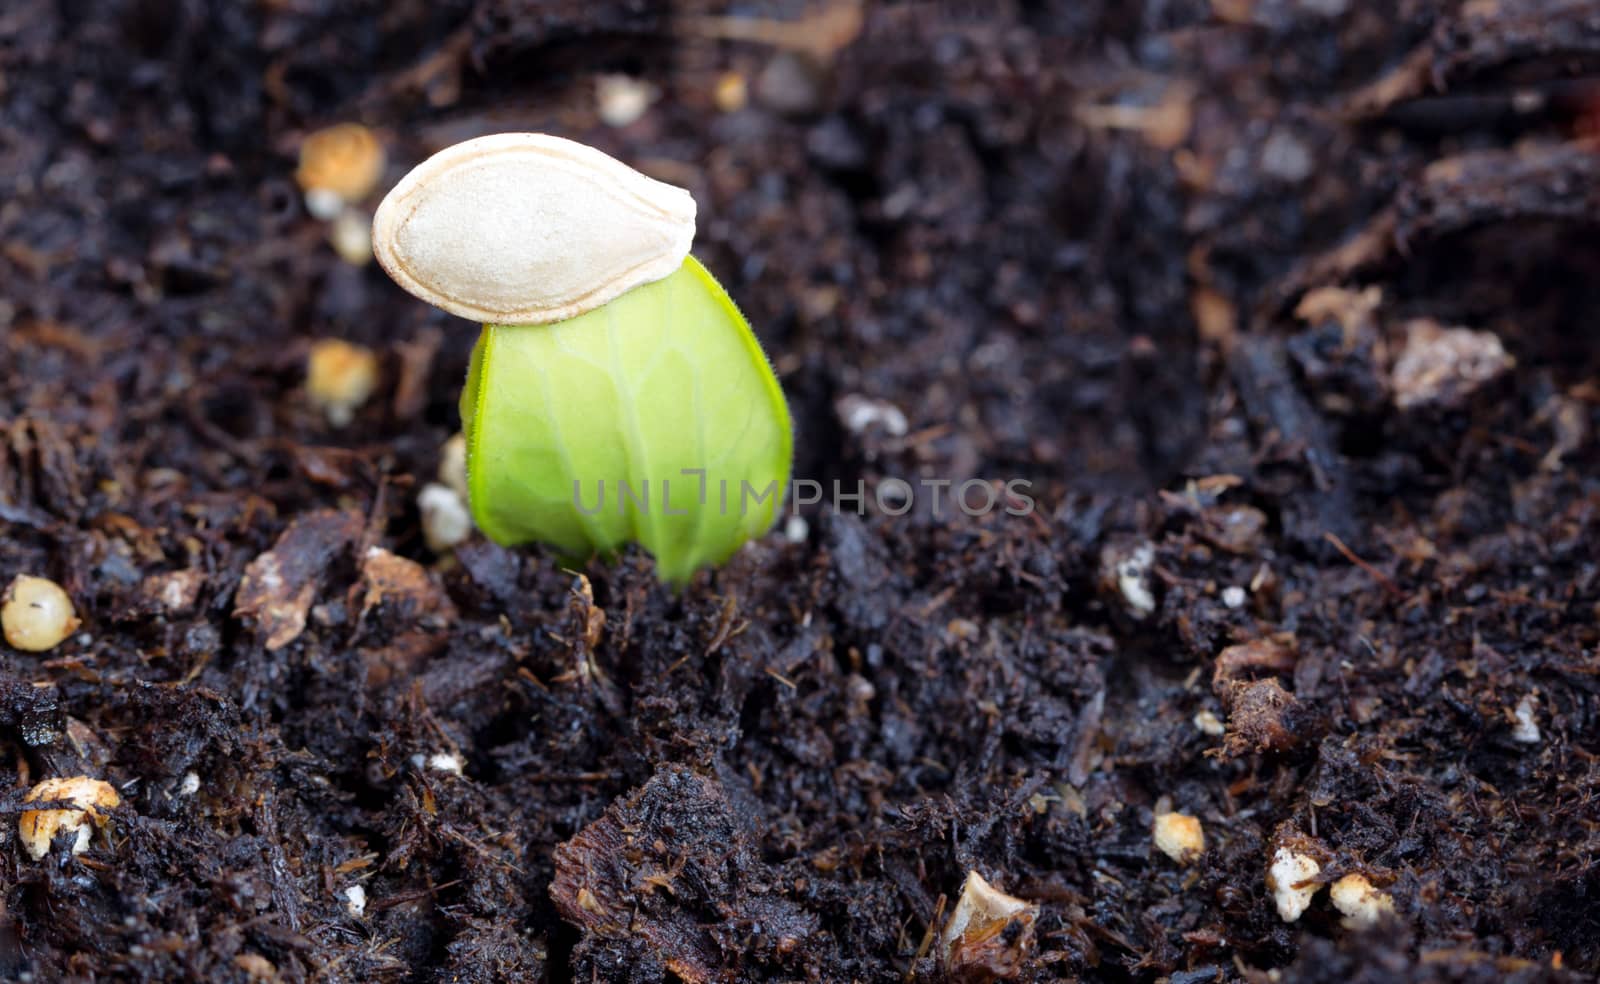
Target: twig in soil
(936,602)
(478,849)
(1165,125)
(1376,574)
(928,935)
(1261,373)
(1478,42)
(194,671)
(436,75)
(572,776)
(284,892)
(76,666)
(728,624)
(1476,111)
(1088,731)
(526,674)
(926,435)
(22,516)
(373,531)
(821,34)
(402,898)
(245,451)
(1559,182)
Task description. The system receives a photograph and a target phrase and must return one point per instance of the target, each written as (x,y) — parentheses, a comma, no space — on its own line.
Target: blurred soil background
(1284,306)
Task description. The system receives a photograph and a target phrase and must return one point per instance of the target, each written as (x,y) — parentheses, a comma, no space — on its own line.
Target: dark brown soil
(1069,241)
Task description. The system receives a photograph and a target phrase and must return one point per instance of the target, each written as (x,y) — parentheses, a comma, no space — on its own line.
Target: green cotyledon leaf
(654,419)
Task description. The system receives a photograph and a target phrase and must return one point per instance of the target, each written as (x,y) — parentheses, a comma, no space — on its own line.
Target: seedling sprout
(615,394)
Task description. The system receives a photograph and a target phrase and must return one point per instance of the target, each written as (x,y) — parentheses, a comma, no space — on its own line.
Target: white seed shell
(527,228)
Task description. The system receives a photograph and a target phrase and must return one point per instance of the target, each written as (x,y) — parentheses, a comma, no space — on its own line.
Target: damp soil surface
(1284,308)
